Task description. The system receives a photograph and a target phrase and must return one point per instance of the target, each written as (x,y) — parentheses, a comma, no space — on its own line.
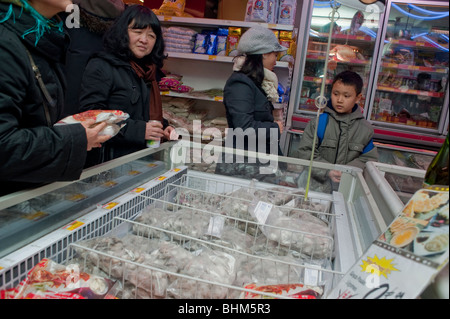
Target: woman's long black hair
(117,41)
(253,67)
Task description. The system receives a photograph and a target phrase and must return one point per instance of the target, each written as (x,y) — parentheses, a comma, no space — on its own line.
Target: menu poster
(402,262)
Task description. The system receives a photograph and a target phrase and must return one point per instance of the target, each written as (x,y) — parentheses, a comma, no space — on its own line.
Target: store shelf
(214,58)
(419,68)
(189,96)
(218,22)
(412,92)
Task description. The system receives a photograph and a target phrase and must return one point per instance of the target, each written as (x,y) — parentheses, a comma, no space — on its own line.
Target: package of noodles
(113,119)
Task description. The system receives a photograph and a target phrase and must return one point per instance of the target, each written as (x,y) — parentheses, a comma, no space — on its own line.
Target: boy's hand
(335,175)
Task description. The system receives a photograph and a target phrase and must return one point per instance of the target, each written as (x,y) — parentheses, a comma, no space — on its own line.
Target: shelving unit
(204,72)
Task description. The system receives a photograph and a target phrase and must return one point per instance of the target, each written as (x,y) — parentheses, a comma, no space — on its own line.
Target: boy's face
(344,97)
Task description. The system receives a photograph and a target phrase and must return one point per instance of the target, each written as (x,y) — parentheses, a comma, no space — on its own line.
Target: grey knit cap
(259,40)
(102,8)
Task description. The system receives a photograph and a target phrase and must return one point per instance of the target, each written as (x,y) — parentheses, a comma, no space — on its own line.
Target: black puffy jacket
(110,83)
(33,151)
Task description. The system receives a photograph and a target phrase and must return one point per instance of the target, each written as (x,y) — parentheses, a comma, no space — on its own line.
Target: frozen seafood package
(50,280)
(113,118)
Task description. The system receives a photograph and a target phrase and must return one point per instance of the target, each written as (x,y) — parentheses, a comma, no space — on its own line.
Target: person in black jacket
(32,150)
(124,77)
(248,97)
(96,17)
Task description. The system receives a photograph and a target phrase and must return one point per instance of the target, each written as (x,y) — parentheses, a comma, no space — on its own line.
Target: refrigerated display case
(411,92)
(350,216)
(377,50)
(180,211)
(353,47)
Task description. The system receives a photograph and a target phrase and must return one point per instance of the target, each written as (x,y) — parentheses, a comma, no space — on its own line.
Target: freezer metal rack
(152,262)
(232,201)
(187,214)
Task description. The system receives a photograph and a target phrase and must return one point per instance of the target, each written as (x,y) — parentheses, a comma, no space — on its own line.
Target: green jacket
(344,139)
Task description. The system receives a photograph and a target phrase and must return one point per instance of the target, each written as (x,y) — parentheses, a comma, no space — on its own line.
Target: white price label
(262,210)
(215,227)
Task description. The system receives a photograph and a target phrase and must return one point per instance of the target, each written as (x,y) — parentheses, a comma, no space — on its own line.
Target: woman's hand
(93,139)
(335,176)
(154,130)
(170,133)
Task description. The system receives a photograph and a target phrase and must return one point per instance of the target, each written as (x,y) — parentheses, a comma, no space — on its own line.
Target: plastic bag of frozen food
(295,291)
(50,280)
(112,118)
(303,235)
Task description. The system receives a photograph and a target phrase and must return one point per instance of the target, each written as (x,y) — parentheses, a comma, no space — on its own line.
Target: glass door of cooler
(412,74)
(353,46)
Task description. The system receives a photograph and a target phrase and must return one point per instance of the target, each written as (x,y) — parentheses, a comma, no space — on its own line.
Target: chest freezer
(348,220)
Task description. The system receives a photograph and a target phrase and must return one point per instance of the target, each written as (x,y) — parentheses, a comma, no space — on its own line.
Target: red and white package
(295,291)
(50,280)
(111,117)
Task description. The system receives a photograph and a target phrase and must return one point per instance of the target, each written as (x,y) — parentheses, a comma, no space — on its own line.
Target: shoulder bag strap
(44,90)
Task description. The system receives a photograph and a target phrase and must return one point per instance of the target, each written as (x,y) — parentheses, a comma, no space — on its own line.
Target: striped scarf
(42,24)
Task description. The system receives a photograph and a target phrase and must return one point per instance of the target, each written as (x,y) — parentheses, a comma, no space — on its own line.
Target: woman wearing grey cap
(249,93)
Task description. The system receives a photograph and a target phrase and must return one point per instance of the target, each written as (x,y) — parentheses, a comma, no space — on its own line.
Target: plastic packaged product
(211,45)
(296,291)
(111,117)
(200,43)
(286,11)
(272,15)
(260,11)
(50,280)
(222,45)
(234,35)
(248,11)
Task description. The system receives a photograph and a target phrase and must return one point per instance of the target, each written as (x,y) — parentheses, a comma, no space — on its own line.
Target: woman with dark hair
(248,97)
(125,77)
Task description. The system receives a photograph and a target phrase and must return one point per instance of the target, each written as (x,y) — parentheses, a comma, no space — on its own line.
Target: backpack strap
(323,121)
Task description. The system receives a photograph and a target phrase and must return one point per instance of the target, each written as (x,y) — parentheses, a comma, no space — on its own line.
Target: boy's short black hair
(350,78)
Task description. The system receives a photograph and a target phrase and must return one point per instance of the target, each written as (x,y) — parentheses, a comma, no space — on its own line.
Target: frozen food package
(260,11)
(296,291)
(113,118)
(286,11)
(50,280)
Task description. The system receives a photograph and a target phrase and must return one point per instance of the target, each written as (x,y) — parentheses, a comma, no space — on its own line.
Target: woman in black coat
(124,77)
(32,150)
(248,97)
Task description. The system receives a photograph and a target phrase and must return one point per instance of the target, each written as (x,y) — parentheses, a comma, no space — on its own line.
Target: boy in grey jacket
(347,136)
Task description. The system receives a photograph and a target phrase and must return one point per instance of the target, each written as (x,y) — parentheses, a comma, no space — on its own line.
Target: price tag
(262,210)
(110,205)
(212,57)
(311,276)
(215,226)
(74,225)
(218,98)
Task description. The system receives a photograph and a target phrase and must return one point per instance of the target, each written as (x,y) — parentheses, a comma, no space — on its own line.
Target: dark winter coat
(345,137)
(110,83)
(33,151)
(247,107)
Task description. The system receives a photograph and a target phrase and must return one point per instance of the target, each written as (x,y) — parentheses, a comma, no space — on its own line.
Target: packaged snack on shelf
(272,16)
(260,11)
(248,11)
(289,54)
(111,117)
(200,43)
(234,34)
(172,8)
(286,11)
(50,280)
